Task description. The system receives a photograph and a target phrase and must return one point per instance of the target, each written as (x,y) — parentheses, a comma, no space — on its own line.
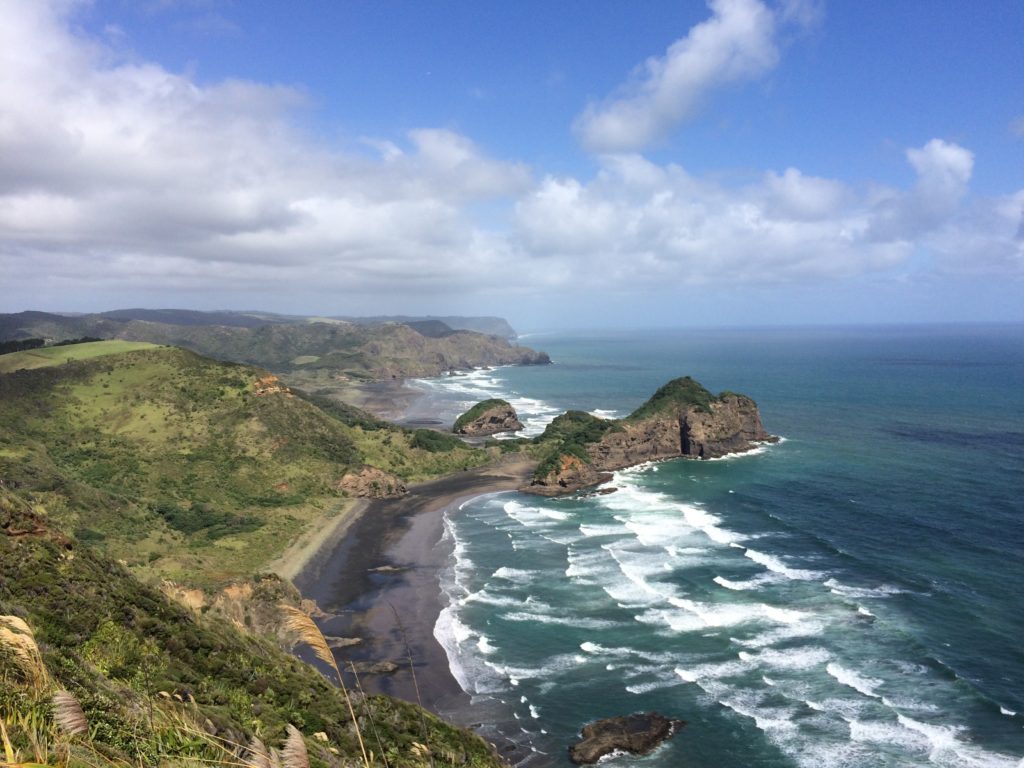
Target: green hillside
(189,468)
(48,356)
(157,685)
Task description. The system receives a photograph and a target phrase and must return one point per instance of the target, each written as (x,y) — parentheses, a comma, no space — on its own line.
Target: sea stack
(488,417)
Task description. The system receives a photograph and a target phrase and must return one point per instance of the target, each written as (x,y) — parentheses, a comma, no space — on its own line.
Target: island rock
(488,417)
(636,734)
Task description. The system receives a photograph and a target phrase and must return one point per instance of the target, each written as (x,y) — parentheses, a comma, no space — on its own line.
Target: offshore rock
(636,734)
(497,416)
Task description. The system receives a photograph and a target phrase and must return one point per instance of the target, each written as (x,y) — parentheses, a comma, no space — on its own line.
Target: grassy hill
(151,684)
(46,357)
(189,468)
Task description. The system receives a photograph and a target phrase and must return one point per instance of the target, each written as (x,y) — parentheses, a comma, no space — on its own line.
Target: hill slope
(190,468)
(159,685)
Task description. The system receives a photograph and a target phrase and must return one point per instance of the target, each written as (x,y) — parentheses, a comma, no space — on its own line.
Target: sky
(586,163)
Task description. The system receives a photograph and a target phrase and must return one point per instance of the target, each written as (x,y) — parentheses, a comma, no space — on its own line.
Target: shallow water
(849,597)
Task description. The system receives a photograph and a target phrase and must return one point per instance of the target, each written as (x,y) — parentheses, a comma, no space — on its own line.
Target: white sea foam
(811,627)
(885,590)
(516,575)
(709,524)
(747,584)
(848,677)
(887,733)
(1007,712)
(581,622)
(591,530)
(776,564)
(488,598)
(484,644)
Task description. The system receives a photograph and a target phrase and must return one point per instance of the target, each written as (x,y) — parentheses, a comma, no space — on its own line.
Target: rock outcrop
(636,734)
(488,417)
(372,483)
(681,420)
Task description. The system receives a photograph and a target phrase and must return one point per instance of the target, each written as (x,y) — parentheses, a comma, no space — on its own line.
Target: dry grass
(68,714)
(294,754)
(309,633)
(17,637)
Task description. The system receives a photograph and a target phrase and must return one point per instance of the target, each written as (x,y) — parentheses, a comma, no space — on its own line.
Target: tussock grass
(17,638)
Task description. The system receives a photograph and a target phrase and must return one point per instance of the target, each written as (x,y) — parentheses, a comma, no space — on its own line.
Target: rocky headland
(682,419)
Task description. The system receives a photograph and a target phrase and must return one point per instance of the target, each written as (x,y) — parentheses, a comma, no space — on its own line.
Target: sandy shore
(320,540)
(388,562)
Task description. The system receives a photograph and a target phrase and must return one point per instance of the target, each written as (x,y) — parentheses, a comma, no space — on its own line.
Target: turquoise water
(849,597)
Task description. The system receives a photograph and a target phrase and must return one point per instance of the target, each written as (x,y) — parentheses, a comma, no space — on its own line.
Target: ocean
(851,596)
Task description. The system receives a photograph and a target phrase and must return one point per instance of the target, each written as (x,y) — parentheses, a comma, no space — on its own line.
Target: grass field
(46,357)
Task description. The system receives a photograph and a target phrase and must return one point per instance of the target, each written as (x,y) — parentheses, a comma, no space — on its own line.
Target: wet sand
(388,563)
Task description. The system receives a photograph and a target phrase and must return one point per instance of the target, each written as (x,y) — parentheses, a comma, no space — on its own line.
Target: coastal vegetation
(477,411)
(99,669)
(684,392)
(569,435)
(189,468)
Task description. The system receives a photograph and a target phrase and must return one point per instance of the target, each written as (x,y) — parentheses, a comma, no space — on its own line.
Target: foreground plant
(309,633)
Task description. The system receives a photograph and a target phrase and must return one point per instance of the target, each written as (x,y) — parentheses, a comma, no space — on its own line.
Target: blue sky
(574,164)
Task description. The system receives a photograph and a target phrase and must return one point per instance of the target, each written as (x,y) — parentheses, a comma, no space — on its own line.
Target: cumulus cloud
(736,43)
(644,224)
(943,174)
(124,170)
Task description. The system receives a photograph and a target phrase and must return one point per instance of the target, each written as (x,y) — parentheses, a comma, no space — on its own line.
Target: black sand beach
(388,563)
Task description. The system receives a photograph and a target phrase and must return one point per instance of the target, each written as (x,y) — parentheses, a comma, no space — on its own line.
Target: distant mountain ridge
(373,348)
(493,326)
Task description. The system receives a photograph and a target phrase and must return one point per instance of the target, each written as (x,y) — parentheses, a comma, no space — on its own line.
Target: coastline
(388,562)
(317,542)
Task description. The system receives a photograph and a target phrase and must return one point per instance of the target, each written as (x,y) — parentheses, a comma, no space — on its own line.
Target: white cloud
(120,169)
(121,180)
(943,174)
(736,43)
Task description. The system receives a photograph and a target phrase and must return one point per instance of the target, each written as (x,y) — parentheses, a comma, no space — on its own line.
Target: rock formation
(488,417)
(682,419)
(372,483)
(637,734)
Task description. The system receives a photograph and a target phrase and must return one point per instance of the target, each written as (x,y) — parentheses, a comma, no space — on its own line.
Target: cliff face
(708,429)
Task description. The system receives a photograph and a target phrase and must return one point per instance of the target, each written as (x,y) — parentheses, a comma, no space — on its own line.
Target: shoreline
(388,563)
(316,543)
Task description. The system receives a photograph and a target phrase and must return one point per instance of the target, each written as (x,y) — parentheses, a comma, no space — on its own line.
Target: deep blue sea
(849,597)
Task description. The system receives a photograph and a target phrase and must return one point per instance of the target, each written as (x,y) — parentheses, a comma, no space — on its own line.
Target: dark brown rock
(502,418)
(372,483)
(636,734)
(727,424)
